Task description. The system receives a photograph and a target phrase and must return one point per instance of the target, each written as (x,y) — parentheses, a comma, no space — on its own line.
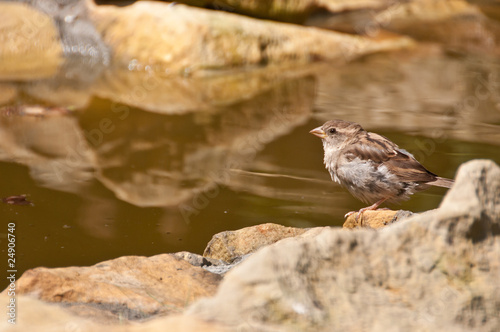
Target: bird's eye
(332,131)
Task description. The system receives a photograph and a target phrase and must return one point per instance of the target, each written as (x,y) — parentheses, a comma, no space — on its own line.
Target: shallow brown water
(114,178)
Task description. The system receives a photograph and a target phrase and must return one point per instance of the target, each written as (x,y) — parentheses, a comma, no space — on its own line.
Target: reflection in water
(97,217)
(53,147)
(149,159)
(425,93)
(226,152)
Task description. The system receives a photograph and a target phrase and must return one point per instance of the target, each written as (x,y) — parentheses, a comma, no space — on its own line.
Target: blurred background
(139,128)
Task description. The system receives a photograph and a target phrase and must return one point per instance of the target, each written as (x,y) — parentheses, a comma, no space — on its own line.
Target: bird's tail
(442,182)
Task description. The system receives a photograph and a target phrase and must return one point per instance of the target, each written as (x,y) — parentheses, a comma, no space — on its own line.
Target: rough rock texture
(229,245)
(433,272)
(376,219)
(39,316)
(124,289)
(212,265)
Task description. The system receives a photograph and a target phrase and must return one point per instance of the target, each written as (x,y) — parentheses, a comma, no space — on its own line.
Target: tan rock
(181,39)
(156,46)
(455,23)
(475,196)
(36,315)
(31,48)
(375,219)
(436,271)
(124,289)
(232,244)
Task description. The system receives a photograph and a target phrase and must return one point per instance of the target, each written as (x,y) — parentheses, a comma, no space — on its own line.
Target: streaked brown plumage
(370,166)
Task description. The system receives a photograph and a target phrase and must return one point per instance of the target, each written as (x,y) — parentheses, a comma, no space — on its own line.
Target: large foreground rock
(437,271)
(124,289)
(39,316)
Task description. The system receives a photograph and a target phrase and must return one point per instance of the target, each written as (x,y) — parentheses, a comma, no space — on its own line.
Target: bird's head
(337,133)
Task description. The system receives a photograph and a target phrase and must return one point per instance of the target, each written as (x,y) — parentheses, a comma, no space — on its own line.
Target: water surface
(143,164)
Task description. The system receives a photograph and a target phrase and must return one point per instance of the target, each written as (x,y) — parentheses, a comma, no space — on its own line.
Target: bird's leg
(374,206)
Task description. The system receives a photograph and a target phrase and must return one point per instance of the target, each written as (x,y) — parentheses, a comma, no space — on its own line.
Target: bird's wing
(382,151)
(372,147)
(408,168)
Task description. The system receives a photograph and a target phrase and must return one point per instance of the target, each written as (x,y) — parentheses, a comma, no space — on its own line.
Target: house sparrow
(371,167)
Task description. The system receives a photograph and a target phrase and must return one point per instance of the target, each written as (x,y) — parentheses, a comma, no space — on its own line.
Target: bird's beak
(318,132)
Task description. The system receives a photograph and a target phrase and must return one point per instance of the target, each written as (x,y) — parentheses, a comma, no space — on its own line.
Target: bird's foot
(360,212)
(359,215)
(350,213)
(363,210)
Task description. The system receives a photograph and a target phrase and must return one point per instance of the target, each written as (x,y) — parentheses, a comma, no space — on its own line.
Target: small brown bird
(371,167)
